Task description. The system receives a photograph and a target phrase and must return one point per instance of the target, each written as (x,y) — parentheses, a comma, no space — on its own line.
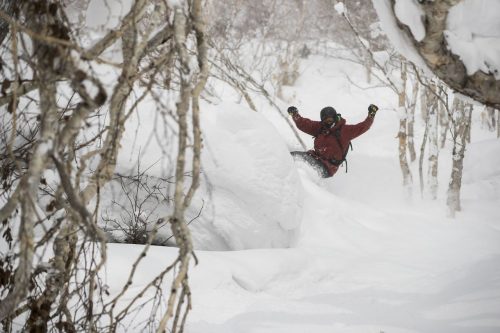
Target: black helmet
(328,112)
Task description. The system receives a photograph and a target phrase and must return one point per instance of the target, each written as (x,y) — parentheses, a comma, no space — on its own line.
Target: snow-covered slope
(355,252)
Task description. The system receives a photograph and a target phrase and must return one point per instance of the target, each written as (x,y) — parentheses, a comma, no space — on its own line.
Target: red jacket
(326,145)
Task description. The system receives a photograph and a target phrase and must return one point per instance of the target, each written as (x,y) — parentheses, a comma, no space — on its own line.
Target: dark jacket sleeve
(353,131)
(308,126)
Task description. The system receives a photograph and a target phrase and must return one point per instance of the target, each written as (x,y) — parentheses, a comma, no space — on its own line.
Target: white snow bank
(252,187)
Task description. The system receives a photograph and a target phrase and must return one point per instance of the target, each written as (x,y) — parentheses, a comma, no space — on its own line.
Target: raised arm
(353,131)
(308,126)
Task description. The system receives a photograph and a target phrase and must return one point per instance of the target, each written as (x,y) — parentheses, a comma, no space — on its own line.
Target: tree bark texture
(461,122)
(421,158)
(498,123)
(432,104)
(180,291)
(444,120)
(411,121)
(402,134)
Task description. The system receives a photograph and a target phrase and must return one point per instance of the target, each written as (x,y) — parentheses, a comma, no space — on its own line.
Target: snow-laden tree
(434,35)
(67,93)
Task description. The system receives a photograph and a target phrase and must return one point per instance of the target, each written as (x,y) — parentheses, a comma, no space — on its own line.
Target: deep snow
(362,256)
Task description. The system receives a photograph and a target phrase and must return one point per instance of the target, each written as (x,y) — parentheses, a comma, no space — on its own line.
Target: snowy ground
(366,258)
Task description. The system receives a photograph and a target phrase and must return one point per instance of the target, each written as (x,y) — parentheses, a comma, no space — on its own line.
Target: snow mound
(251,185)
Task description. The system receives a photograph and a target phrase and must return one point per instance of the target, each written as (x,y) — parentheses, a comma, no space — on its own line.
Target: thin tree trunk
(424,108)
(491,121)
(498,123)
(45,55)
(107,163)
(368,65)
(199,27)
(433,141)
(411,122)
(460,128)
(469,128)
(402,135)
(57,277)
(179,288)
(444,122)
(424,111)
(421,159)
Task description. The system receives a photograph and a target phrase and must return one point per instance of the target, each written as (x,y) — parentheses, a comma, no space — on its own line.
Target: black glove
(372,110)
(292,110)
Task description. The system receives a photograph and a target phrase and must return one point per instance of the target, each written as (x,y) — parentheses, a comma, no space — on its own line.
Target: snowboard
(314,163)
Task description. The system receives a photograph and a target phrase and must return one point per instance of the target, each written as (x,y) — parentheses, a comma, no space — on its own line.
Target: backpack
(336,134)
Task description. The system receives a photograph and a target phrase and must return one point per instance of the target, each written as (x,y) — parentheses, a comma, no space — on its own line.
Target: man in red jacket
(332,137)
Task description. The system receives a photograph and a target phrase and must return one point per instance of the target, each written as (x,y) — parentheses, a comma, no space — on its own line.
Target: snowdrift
(251,188)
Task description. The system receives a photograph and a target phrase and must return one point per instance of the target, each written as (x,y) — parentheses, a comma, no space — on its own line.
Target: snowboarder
(332,137)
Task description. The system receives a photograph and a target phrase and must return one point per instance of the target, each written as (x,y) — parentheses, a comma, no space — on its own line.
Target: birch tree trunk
(402,134)
(180,291)
(411,121)
(421,158)
(498,123)
(433,140)
(424,109)
(490,119)
(461,122)
(469,128)
(444,120)
(368,62)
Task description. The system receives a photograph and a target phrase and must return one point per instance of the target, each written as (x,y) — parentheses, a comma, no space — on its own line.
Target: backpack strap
(336,134)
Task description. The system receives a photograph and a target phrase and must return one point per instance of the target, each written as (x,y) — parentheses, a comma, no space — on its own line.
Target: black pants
(315,163)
